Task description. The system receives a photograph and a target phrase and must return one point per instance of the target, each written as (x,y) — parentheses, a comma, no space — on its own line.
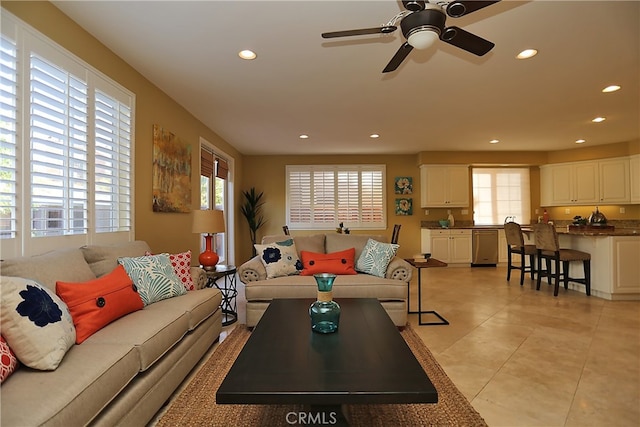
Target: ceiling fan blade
(361,32)
(467,41)
(457,9)
(397,59)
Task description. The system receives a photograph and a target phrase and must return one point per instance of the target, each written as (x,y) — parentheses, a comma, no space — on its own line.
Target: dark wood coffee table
(366,361)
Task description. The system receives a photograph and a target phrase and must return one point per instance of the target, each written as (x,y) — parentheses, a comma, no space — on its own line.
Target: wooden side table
(419,265)
(228,289)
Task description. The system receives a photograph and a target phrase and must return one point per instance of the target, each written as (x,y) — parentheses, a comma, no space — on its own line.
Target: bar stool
(515,245)
(548,248)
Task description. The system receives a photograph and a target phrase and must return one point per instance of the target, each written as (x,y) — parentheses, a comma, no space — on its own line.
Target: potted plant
(252,211)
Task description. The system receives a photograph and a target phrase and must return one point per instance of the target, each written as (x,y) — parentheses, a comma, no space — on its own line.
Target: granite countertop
(601,233)
(626,228)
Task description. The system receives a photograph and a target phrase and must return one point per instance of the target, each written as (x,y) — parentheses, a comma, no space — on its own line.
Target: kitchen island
(615,260)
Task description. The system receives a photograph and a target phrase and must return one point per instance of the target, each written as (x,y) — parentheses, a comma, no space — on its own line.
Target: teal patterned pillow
(375,257)
(279,258)
(154,277)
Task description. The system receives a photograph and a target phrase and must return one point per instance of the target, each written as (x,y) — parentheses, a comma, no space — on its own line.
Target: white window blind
(501,192)
(73,136)
(321,196)
(8,138)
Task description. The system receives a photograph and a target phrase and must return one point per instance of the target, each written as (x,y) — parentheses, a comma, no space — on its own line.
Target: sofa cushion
(35,322)
(345,286)
(199,304)
(336,242)
(375,257)
(89,376)
(65,264)
(152,331)
(342,262)
(153,276)
(313,243)
(279,258)
(102,259)
(96,303)
(8,360)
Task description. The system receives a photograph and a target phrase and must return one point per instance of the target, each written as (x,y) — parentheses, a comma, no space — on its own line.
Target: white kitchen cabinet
(444,186)
(634,180)
(614,180)
(452,246)
(569,184)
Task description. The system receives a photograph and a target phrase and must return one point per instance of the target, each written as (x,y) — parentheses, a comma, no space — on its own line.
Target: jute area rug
(196,404)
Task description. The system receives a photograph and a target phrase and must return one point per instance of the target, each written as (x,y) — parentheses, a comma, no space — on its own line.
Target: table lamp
(208,222)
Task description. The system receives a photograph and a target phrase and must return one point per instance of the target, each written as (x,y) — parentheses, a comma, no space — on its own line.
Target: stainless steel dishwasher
(485,247)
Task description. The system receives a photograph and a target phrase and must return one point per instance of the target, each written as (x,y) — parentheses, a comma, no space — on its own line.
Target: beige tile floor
(524,357)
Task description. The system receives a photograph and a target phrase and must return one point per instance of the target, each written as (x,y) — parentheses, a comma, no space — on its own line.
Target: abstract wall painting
(171,172)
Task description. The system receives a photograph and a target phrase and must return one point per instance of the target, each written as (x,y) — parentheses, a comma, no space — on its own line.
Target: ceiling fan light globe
(423,39)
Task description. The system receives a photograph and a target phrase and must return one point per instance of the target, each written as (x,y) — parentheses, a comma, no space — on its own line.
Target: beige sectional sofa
(122,374)
(391,290)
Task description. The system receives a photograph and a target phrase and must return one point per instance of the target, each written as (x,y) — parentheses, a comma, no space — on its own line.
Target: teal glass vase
(325,312)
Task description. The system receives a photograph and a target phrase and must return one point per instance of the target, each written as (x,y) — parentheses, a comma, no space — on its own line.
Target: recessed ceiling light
(247,54)
(374,135)
(598,120)
(580,141)
(303,136)
(527,53)
(494,141)
(611,88)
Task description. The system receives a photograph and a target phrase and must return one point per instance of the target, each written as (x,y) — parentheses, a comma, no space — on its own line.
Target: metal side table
(228,289)
(419,265)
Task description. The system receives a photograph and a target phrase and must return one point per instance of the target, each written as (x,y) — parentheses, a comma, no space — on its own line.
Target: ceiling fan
(423,23)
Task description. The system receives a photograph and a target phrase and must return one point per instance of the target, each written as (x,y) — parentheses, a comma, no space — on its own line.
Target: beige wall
(267,174)
(163,231)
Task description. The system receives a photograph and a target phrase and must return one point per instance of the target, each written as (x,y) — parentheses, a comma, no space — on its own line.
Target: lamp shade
(209,221)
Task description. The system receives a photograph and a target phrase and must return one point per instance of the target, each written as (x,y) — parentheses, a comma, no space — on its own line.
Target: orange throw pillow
(96,303)
(342,262)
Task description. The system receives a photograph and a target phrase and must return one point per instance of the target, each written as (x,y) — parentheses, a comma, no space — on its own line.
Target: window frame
(332,210)
(522,213)
(22,240)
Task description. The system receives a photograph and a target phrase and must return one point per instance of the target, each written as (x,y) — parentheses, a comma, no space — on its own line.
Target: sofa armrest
(252,271)
(199,277)
(399,269)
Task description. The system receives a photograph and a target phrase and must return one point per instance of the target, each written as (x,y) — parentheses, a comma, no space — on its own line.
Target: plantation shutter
(58,133)
(8,137)
(113,128)
(321,197)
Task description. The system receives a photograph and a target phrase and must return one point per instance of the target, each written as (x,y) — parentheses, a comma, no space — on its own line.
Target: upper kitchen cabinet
(634,173)
(614,180)
(606,181)
(444,186)
(569,184)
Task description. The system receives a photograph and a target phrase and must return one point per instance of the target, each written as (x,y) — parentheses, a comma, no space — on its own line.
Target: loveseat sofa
(390,288)
(124,372)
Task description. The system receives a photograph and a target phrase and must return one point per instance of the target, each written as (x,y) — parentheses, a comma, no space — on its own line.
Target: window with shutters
(66,146)
(323,196)
(499,193)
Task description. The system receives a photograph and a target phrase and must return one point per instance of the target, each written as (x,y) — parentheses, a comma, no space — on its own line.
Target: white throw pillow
(279,258)
(35,322)
(375,257)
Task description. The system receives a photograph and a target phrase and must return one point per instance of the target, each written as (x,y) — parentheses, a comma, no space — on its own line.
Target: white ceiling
(333,90)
